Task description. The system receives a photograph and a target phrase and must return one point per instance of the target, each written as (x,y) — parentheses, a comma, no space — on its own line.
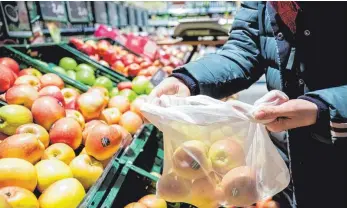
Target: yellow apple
(19,197)
(4,203)
(40,132)
(67,193)
(59,151)
(86,169)
(76,115)
(50,171)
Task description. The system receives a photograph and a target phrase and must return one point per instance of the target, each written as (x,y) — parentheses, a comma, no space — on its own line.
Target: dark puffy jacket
(313,63)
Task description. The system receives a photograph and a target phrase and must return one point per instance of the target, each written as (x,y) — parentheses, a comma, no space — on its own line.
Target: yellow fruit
(13,116)
(59,151)
(19,197)
(4,203)
(66,193)
(50,171)
(17,172)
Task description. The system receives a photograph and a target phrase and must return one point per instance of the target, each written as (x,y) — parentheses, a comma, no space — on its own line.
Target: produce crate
(132,184)
(54,52)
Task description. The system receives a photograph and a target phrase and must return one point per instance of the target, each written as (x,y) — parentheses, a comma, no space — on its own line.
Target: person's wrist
(188,81)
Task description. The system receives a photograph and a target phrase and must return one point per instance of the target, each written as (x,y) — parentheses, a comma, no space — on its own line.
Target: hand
(289,115)
(171,86)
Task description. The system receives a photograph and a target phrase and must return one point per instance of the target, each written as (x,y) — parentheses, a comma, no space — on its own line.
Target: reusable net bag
(215,153)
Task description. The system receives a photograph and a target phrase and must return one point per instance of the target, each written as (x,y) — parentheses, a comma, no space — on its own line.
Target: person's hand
(289,115)
(171,86)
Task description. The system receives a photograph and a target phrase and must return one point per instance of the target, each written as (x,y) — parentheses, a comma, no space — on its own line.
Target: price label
(158,77)
(78,11)
(100,12)
(53,11)
(113,14)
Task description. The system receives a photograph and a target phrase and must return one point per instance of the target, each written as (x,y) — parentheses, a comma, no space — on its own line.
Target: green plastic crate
(132,184)
(54,52)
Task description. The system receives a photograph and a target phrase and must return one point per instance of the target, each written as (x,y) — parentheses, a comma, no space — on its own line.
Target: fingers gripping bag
(216,153)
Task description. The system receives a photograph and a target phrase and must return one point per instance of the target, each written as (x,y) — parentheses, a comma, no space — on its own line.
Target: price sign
(113,14)
(123,15)
(77,11)
(53,11)
(100,12)
(16,18)
(159,76)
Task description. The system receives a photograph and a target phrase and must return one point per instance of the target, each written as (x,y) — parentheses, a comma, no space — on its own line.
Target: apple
(126,137)
(152,69)
(70,98)
(30,71)
(95,57)
(50,171)
(71,74)
(130,121)
(68,131)
(24,146)
(7,78)
(261,204)
(123,52)
(240,186)
(149,88)
(68,63)
(67,192)
(88,49)
(129,57)
(85,67)
(168,69)
(124,85)
(131,95)
(137,104)
(102,47)
(21,95)
(90,105)
(102,91)
(138,60)
(29,80)
(18,197)
(36,130)
(53,91)
(4,203)
(86,77)
(77,116)
(113,58)
(269,204)
(17,172)
(118,66)
(13,116)
(91,42)
(104,63)
(114,92)
(59,70)
(90,125)
(145,64)
(104,82)
(60,151)
(135,205)
(46,111)
(110,115)
(190,160)
(152,201)
(103,141)
(86,169)
(173,188)
(78,43)
(51,79)
(140,84)
(10,63)
(225,155)
(133,69)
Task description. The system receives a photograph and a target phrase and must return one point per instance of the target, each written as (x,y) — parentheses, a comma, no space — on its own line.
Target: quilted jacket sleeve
(237,65)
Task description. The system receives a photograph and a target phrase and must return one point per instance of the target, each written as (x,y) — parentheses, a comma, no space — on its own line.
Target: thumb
(268,112)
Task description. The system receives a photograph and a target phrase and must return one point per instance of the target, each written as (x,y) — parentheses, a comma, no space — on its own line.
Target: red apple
(78,43)
(104,63)
(118,66)
(46,111)
(130,121)
(102,91)
(134,69)
(68,131)
(120,102)
(126,137)
(152,201)
(88,49)
(30,80)
(22,95)
(127,62)
(113,58)
(102,47)
(30,71)
(145,64)
(52,91)
(138,60)
(70,98)
(89,126)
(77,116)
(95,57)
(124,85)
(90,105)
(7,78)
(110,115)
(52,79)
(10,63)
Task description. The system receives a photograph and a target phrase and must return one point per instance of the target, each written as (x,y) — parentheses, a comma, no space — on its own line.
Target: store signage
(53,11)
(113,14)
(16,19)
(100,12)
(139,17)
(131,16)
(158,77)
(78,11)
(123,15)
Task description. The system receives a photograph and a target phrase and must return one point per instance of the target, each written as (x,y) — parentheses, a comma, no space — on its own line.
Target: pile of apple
(120,60)
(44,126)
(148,201)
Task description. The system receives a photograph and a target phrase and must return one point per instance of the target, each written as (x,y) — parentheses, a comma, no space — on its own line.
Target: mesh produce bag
(216,153)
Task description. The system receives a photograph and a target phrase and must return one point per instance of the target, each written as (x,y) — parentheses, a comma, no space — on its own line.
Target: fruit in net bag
(225,155)
(190,160)
(173,188)
(240,187)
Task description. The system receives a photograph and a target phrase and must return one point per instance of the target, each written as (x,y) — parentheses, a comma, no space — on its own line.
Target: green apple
(114,92)
(84,67)
(139,84)
(86,77)
(71,74)
(104,82)
(67,63)
(149,88)
(128,93)
(13,116)
(60,70)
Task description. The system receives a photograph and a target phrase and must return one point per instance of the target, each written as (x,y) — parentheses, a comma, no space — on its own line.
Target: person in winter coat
(301,47)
